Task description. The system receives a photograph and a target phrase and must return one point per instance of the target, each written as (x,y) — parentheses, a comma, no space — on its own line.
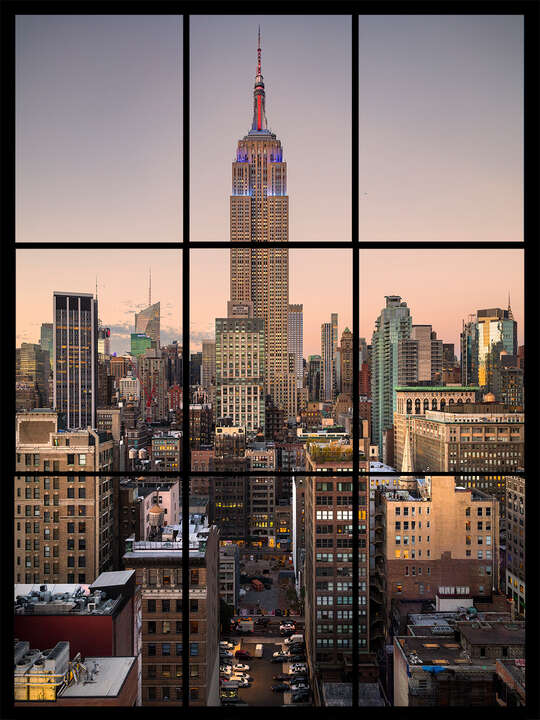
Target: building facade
(393,324)
(65,527)
(296,341)
(260,214)
(75,358)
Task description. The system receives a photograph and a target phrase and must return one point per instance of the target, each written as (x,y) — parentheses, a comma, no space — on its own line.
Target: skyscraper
(46,340)
(420,356)
(494,326)
(208,374)
(469,352)
(75,358)
(240,367)
(260,213)
(393,324)
(314,377)
(346,359)
(147,322)
(32,366)
(296,340)
(327,363)
(104,340)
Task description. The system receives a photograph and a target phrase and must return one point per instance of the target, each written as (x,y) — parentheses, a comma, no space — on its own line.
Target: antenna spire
(150,286)
(259,116)
(96,287)
(259,52)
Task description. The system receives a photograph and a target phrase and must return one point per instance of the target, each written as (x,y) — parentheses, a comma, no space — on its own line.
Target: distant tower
(393,324)
(75,342)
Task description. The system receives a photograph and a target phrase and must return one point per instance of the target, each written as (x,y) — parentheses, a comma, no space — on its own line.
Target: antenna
(150,287)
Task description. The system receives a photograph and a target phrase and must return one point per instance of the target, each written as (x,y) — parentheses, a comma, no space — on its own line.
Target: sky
(441,127)
(441,287)
(320,280)
(98,128)
(122,289)
(306,65)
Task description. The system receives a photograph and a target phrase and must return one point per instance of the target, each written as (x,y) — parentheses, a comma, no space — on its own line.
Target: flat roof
(422,651)
(107,681)
(493,633)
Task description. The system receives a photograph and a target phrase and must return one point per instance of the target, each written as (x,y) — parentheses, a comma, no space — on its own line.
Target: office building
(346,361)
(469,352)
(260,214)
(104,340)
(483,436)
(296,341)
(515,542)
(75,358)
(420,357)
(433,534)
(64,526)
(314,377)
(32,368)
(151,372)
(494,326)
(393,324)
(240,368)
(416,401)
(208,372)
(327,576)
(46,341)
(327,363)
(158,566)
(147,322)
(229,574)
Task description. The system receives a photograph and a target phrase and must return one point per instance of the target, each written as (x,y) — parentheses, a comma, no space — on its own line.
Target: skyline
(420,284)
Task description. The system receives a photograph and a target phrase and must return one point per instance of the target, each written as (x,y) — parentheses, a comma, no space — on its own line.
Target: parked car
(225,669)
(225,645)
(300,696)
(297,667)
(297,658)
(281,676)
(242,682)
(279,658)
(225,654)
(263,622)
(296,649)
(280,687)
(242,654)
(240,667)
(299,686)
(280,652)
(294,638)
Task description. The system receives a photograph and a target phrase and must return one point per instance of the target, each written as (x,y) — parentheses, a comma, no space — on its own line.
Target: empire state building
(260,214)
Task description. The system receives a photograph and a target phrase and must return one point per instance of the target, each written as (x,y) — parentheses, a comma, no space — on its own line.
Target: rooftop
(71,599)
(108,677)
(439,651)
(340,695)
(478,632)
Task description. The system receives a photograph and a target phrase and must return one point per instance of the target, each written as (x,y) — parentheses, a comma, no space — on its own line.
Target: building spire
(509,308)
(259,123)
(149,286)
(259,52)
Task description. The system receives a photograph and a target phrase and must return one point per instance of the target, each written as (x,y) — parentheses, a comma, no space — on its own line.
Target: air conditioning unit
(91,607)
